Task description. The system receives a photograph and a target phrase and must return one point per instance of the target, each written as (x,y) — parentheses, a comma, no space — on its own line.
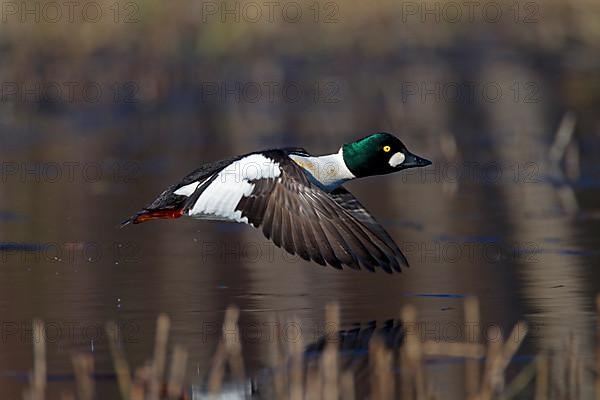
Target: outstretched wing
(347,200)
(305,220)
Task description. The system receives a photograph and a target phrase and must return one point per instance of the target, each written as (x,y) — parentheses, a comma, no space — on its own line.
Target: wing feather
(347,200)
(328,228)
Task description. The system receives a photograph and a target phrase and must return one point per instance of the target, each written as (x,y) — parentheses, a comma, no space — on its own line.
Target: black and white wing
(173,201)
(347,200)
(211,191)
(305,220)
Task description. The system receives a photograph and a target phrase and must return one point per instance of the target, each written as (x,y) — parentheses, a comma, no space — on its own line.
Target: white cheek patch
(397,159)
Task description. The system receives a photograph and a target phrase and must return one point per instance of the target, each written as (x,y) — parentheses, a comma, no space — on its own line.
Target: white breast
(222,196)
(329,171)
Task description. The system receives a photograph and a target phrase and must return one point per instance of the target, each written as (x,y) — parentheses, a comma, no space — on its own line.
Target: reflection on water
(487,219)
(65,261)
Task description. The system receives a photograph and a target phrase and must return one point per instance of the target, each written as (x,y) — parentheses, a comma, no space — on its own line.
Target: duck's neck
(329,171)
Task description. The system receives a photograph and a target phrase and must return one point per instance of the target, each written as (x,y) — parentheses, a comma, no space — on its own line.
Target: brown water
(64,260)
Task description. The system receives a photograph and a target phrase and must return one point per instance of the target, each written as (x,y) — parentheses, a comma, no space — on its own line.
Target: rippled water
(502,232)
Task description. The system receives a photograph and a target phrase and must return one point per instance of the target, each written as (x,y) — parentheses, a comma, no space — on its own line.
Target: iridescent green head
(378,154)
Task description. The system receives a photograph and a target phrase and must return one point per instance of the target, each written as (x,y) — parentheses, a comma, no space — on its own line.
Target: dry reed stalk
(420,381)
(177,372)
(472,365)
(277,363)
(414,355)
(514,341)
(67,396)
(557,374)
(512,344)
(347,385)
(228,352)
(160,356)
(329,361)
(332,320)
(314,383)
(143,375)
(39,360)
(494,357)
(233,344)
(382,380)
(296,351)
(564,135)
(137,392)
(572,367)
(217,369)
(83,365)
(579,380)
(598,347)
(406,370)
(520,382)
(406,383)
(499,356)
(541,380)
(120,363)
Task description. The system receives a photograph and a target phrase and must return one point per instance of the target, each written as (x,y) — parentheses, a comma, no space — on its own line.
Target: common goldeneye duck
(297,199)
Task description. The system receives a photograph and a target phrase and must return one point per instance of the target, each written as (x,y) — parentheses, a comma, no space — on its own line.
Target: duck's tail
(148,215)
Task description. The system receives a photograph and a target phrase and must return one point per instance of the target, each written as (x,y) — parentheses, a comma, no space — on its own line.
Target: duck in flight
(297,200)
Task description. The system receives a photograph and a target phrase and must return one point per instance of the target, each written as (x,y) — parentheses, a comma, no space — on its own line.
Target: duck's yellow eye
(387,149)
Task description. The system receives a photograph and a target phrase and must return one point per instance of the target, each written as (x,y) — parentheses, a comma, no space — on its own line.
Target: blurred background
(103,104)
